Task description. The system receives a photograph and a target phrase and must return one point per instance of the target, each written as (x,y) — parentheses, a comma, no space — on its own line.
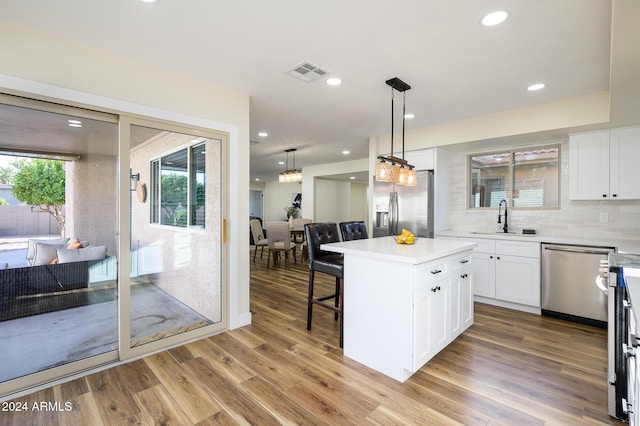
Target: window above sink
(528,178)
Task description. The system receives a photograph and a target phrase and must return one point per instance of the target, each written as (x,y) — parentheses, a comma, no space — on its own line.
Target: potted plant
(291,211)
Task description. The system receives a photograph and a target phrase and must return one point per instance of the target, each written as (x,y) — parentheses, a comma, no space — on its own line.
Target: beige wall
(39,64)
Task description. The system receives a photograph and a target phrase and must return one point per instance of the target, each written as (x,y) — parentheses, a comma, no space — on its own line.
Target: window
(526,178)
(177,195)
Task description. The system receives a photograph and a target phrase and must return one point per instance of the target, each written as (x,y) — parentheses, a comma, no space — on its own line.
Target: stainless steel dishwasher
(569,282)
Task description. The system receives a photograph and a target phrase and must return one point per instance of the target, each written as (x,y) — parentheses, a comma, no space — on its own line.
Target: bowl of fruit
(405,238)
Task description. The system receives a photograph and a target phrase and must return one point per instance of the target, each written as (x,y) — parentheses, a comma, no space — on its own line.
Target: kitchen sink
(495,233)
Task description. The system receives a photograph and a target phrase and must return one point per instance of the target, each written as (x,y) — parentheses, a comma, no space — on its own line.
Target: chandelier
(393,169)
(290,175)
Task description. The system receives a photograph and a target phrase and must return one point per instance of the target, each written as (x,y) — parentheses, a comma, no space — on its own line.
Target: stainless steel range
(621,343)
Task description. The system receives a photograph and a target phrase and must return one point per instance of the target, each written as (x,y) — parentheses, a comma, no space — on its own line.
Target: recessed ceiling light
(494,18)
(148,1)
(334,81)
(74,123)
(263,134)
(409,116)
(352,177)
(535,87)
(257,179)
(281,162)
(345,152)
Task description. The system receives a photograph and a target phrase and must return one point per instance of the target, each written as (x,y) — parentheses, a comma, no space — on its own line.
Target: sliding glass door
(58,237)
(111,239)
(176,232)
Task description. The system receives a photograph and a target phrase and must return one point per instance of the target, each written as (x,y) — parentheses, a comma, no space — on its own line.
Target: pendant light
(290,175)
(393,169)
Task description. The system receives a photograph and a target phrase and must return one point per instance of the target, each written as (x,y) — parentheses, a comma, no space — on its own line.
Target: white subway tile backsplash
(573,219)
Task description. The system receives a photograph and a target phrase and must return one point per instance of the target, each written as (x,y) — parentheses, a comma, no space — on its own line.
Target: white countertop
(423,250)
(623,245)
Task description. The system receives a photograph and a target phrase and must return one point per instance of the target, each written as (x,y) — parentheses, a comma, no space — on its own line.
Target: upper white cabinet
(602,165)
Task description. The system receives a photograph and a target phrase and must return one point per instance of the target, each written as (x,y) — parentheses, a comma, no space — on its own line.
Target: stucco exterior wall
(185,263)
(92,201)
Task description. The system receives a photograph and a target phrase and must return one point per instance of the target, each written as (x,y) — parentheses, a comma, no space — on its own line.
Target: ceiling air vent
(308,72)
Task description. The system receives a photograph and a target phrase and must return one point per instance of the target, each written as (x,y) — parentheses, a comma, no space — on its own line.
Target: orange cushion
(75,244)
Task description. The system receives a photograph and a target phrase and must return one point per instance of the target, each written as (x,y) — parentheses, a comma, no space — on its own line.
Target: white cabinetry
(603,166)
(443,305)
(506,271)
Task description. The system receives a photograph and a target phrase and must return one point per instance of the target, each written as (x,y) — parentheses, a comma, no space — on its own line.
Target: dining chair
(328,263)
(354,230)
(258,237)
(297,237)
(279,240)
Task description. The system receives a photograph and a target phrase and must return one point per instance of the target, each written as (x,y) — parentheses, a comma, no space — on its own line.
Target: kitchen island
(404,303)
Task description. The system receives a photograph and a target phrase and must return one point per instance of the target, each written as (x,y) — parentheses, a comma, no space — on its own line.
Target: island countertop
(423,250)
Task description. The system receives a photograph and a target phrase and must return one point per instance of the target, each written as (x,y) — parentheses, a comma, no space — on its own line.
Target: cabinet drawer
(461,261)
(431,272)
(485,245)
(518,248)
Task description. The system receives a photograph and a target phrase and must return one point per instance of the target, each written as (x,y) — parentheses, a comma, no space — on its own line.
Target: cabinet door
(460,303)
(484,274)
(623,164)
(518,279)
(455,306)
(589,166)
(430,322)
(466,298)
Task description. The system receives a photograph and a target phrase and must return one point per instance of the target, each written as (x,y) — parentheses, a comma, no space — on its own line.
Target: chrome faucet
(505,228)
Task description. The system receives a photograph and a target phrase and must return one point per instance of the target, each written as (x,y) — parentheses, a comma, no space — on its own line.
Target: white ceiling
(456,67)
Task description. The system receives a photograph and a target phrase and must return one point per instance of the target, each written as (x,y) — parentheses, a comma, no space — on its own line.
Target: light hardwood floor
(509,368)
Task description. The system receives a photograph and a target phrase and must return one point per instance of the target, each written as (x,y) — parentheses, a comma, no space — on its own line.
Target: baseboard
(240,321)
(508,305)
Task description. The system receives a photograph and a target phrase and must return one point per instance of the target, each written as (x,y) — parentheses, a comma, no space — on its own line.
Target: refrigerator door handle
(390,229)
(393,213)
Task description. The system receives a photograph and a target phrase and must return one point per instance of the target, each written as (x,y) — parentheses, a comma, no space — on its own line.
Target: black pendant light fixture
(390,168)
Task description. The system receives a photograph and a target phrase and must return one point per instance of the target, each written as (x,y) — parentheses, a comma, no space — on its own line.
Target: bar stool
(327,263)
(354,230)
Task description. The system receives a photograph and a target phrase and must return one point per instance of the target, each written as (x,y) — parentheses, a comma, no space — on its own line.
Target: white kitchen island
(404,303)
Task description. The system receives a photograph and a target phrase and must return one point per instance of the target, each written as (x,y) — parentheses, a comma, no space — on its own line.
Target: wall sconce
(133,181)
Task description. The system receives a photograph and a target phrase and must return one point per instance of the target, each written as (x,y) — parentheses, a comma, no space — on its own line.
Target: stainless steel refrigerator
(397,207)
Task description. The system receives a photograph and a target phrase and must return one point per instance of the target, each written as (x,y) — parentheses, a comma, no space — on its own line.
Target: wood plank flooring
(509,368)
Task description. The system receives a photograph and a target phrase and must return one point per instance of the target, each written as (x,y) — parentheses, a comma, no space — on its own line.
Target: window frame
(511,175)
(155,183)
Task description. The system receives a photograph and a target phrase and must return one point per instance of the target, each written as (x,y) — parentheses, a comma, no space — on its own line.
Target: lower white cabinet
(518,279)
(507,271)
(443,307)
(430,315)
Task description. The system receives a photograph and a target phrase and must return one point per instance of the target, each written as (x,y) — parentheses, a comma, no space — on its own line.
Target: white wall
(359,203)
(36,62)
(332,201)
(309,199)
(278,196)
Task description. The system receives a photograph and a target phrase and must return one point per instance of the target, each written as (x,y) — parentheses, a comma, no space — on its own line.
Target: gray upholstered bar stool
(327,263)
(354,230)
